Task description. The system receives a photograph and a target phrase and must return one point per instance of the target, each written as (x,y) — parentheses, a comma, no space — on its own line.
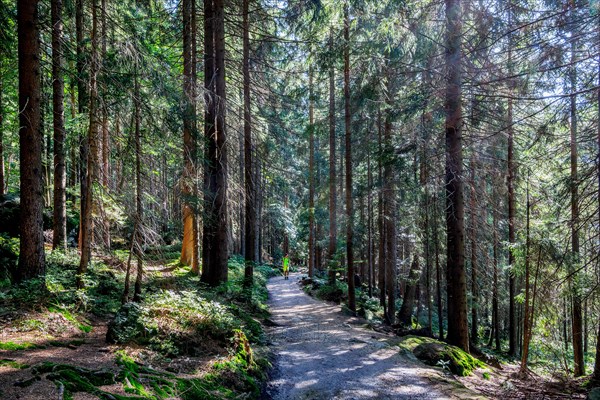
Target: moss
(461,362)
(434,352)
(5,362)
(12,346)
(410,342)
(486,376)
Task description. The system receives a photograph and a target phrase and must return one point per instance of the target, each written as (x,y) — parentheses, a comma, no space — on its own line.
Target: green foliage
(9,254)
(12,346)
(5,362)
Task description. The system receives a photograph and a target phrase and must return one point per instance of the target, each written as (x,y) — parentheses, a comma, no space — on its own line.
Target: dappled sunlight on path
(320,353)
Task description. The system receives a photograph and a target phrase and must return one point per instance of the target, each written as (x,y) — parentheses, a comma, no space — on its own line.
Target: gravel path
(321,353)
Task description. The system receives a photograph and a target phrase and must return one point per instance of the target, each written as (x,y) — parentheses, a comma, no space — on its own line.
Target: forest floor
(322,353)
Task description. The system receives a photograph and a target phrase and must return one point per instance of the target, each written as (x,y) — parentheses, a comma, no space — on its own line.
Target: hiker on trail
(286,266)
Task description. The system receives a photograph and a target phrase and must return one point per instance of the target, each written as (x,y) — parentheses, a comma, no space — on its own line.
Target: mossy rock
(458,361)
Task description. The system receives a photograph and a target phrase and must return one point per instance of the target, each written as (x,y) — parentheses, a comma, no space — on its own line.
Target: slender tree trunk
(2,179)
(250,212)
(370,222)
(495,289)
(389,212)
(216,228)
(597,363)
(458,331)
(311,177)
(137,291)
(189,242)
(347,122)
(87,221)
(473,240)
(528,312)
(60,176)
(512,325)
(82,102)
(381,217)
(332,172)
(31,249)
(576,320)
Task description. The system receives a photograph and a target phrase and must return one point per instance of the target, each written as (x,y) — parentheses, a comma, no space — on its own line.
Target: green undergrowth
(232,377)
(6,362)
(12,346)
(180,316)
(434,352)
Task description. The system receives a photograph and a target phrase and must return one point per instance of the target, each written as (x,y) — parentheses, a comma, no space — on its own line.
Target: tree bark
(87,222)
(408,303)
(347,122)
(190,239)
(137,291)
(381,217)
(389,209)
(216,228)
(473,240)
(332,173)
(311,177)
(495,289)
(249,187)
(458,332)
(512,325)
(59,239)
(577,319)
(31,249)
(2,179)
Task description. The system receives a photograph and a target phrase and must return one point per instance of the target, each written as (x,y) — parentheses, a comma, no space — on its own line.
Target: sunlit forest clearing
(426,172)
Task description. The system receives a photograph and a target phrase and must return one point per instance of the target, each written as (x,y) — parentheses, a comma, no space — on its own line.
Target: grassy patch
(12,346)
(71,318)
(5,362)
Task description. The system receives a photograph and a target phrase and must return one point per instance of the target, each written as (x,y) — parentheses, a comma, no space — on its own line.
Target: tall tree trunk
(347,122)
(512,333)
(438,270)
(458,331)
(87,221)
(332,177)
(528,311)
(389,210)
(381,216)
(216,227)
(597,363)
(369,222)
(577,319)
(473,240)
(190,240)
(137,291)
(311,177)
(2,179)
(59,239)
(495,289)
(82,103)
(31,248)
(250,191)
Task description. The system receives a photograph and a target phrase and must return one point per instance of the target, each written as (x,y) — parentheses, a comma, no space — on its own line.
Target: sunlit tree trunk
(31,248)
(190,240)
(527,325)
(311,177)
(458,331)
(389,209)
(59,239)
(349,200)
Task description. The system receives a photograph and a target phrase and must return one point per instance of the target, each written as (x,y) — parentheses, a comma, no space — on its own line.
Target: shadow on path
(321,353)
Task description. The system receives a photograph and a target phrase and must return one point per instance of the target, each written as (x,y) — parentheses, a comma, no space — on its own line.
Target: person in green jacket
(286,267)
